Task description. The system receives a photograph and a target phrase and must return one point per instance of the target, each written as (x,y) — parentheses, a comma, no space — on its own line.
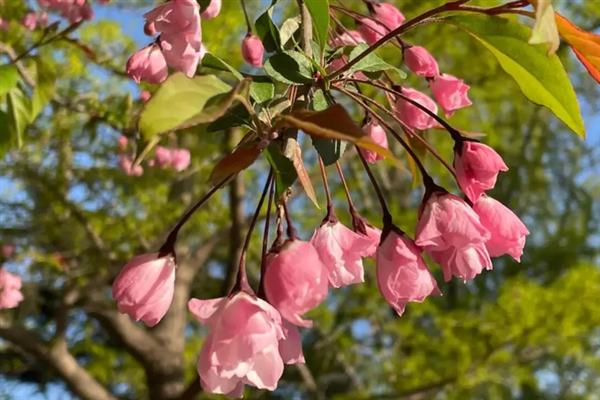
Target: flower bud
(387,14)
(126,164)
(144,287)
(371,30)
(420,61)
(180,159)
(295,280)
(147,64)
(253,50)
(412,115)
(212,10)
(477,166)
(378,135)
(10,289)
(450,92)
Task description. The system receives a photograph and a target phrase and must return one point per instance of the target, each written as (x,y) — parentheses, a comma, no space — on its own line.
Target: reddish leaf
(231,164)
(586,45)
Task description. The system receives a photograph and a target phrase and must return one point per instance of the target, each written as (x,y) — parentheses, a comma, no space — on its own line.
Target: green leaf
(319,11)
(18,107)
(288,29)
(44,89)
(541,77)
(291,67)
(267,31)
(330,150)
(235,116)
(285,172)
(371,63)
(177,100)
(5,134)
(262,89)
(214,62)
(9,76)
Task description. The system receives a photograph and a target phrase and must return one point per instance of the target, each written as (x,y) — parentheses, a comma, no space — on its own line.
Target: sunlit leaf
(18,109)
(586,45)
(9,76)
(291,67)
(44,88)
(544,29)
(319,11)
(294,153)
(541,77)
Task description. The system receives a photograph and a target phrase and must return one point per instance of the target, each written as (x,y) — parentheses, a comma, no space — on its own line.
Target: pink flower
(253,50)
(10,289)
(290,347)
(370,30)
(421,62)
(402,275)
(144,287)
(242,346)
(412,115)
(347,38)
(123,142)
(477,167)
(163,156)
(374,235)
(180,159)
(451,232)
(341,251)
(450,92)
(73,10)
(507,231)
(3,24)
(145,95)
(181,34)
(30,21)
(377,133)
(295,280)
(212,10)
(147,64)
(7,250)
(387,14)
(126,164)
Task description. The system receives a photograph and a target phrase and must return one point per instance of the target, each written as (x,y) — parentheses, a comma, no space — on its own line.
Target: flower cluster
(73,10)
(175,158)
(10,284)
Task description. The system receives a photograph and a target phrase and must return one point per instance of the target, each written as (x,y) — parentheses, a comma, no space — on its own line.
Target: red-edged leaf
(231,164)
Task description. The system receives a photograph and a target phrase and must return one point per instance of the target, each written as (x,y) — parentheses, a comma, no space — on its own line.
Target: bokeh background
(521,331)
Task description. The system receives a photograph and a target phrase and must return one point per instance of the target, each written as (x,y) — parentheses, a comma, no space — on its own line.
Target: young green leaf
(18,109)
(291,67)
(262,89)
(371,63)
(319,11)
(9,76)
(214,62)
(267,31)
(44,88)
(285,172)
(177,100)
(541,77)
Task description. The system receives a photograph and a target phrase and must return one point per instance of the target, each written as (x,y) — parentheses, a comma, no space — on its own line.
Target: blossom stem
(168,246)
(265,243)
(346,189)
(387,216)
(242,278)
(291,231)
(248,24)
(330,212)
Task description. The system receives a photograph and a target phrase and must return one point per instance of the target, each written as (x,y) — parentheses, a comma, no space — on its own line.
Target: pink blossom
(290,347)
(387,14)
(123,141)
(253,50)
(145,95)
(73,10)
(296,280)
(412,115)
(402,275)
(347,38)
(371,30)
(212,10)
(421,62)
(450,92)
(178,21)
(180,159)
(477,166)
(242,346)
(507,231)
(163,156)
(147,64)
(378,135)
(451,232)
(126,164)
(30,21)
(374,235)
(7,250)
(144,287)
(341,251)
(10,289)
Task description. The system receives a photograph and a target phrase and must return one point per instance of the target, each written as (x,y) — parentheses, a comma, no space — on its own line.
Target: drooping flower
(144,287)
(295,280)
(180,159)
(122,142)
(412,115)
(451,232)
(477,166)
(421,62)
(253,50)
(341,251)
(30,21)
(387,14)
(10,289)
(507,231)
(163,156)
(126,164)
(73,10)
(147,64)
(450,92)
(145,96)
(370,30)
(290,347)
(378,135)
(402,275)
(243,344)
(212,10)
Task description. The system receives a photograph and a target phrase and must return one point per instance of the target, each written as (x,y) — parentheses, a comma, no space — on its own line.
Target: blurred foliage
(522,331)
